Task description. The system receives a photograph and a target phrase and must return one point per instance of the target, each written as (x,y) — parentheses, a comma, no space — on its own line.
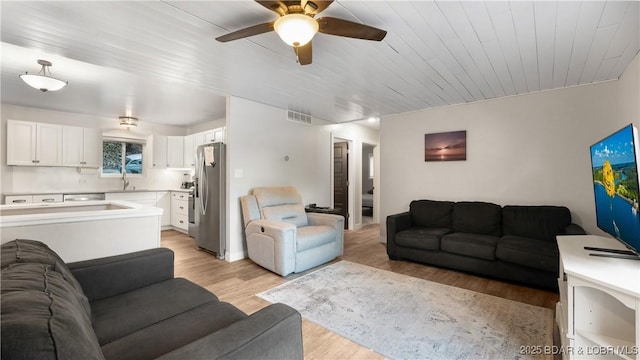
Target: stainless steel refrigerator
(208,227)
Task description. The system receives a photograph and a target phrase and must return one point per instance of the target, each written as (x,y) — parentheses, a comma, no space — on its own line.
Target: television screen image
(614,162)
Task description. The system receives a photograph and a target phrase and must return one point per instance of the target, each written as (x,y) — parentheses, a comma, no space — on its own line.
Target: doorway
(341,180)
(368,188)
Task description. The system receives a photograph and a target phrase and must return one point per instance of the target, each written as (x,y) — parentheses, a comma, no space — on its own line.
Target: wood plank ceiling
(159,60)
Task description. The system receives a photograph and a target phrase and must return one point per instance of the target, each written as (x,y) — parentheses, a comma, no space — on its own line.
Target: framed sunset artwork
(445,146)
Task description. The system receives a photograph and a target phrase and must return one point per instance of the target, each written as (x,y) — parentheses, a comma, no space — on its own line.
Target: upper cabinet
(34,144)
(81,147)
(175,151)
(168,152)
(160,152)
(189,151)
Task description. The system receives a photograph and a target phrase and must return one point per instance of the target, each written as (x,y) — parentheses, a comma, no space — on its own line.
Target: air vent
(298,117)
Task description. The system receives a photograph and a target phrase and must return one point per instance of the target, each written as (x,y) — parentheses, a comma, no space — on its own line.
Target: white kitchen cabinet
(180,210)
(48,198)
(160,152)
(32,199)
(163,200)
(175,151)
(168,152)
(189,152)
(209,136)
(81,146)
(18,199)
(218,134)
(34,144)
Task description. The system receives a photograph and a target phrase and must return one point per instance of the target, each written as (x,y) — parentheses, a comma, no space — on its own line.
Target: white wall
(528,149)
(258,139)
(61,179)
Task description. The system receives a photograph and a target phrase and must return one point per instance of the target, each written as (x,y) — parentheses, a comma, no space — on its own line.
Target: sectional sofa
(512,243)
(128,307)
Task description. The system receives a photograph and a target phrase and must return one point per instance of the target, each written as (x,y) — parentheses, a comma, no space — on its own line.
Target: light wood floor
(239,281)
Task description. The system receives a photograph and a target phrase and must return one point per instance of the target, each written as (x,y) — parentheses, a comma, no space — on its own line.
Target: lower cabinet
(180,210)
(29,199)
(163,200)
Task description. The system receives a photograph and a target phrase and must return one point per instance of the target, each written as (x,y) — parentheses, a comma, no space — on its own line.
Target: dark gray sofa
(513,243)
(128,307)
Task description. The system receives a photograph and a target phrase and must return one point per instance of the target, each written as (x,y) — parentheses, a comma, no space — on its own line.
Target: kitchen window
(118,155)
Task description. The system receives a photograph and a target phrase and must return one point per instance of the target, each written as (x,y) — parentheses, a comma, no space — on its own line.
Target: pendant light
(42,81)
(128,121)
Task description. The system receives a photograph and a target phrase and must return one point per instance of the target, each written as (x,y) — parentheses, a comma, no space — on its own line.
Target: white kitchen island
(84,230)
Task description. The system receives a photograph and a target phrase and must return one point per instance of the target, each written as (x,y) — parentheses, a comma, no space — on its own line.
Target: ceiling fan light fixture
(42,81)
(296,29)
(128,121)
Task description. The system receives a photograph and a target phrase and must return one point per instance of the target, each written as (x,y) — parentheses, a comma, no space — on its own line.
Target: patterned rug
(402,317)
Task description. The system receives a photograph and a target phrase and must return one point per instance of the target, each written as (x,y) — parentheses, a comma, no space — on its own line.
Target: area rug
(402,317)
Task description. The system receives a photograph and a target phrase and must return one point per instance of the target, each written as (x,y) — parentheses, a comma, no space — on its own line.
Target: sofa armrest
(335,221)
(395,224)
(113,275)
(574,229)
(272,245)
(274,332)
(283,232)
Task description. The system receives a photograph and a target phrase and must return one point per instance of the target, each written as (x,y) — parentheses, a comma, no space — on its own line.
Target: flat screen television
(614,163)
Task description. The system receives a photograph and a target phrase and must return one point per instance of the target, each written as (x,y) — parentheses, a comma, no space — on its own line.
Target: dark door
(341,180)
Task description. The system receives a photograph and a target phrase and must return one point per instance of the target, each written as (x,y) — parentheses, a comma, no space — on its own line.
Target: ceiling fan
(296,25)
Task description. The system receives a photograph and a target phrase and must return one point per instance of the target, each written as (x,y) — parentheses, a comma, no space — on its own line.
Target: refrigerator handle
(204,183)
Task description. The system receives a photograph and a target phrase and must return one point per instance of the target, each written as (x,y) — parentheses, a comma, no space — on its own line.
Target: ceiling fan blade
(340,27)
(304,54)
(313,7)
(246,32)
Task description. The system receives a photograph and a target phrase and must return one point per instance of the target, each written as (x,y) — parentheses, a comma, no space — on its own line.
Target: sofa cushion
(309,237)
(474,245)
(41,316)
(31,251)
(538,222)
(420,238)
(538,254)
(124,314)
(477,218)
(431,213)
(152,341)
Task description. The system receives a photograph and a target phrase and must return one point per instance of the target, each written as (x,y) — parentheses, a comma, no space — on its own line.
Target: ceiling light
(41,81)
(128,121)
(296,29)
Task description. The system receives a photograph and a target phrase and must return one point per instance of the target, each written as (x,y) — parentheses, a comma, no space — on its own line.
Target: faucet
(125,182)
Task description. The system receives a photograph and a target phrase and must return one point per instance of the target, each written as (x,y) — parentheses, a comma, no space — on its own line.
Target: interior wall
(259,140)
(521,150)
(265,149)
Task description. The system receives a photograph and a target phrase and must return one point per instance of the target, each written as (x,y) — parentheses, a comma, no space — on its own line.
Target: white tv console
(599,309)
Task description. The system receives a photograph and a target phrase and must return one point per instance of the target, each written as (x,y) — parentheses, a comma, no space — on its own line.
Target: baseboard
(236,255)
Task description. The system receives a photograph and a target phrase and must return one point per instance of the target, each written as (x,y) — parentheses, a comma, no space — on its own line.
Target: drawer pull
(181,222)
(49,200)
(19,201)
(181,207)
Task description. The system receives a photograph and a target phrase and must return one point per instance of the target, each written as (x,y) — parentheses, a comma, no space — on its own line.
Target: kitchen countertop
(111,191)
